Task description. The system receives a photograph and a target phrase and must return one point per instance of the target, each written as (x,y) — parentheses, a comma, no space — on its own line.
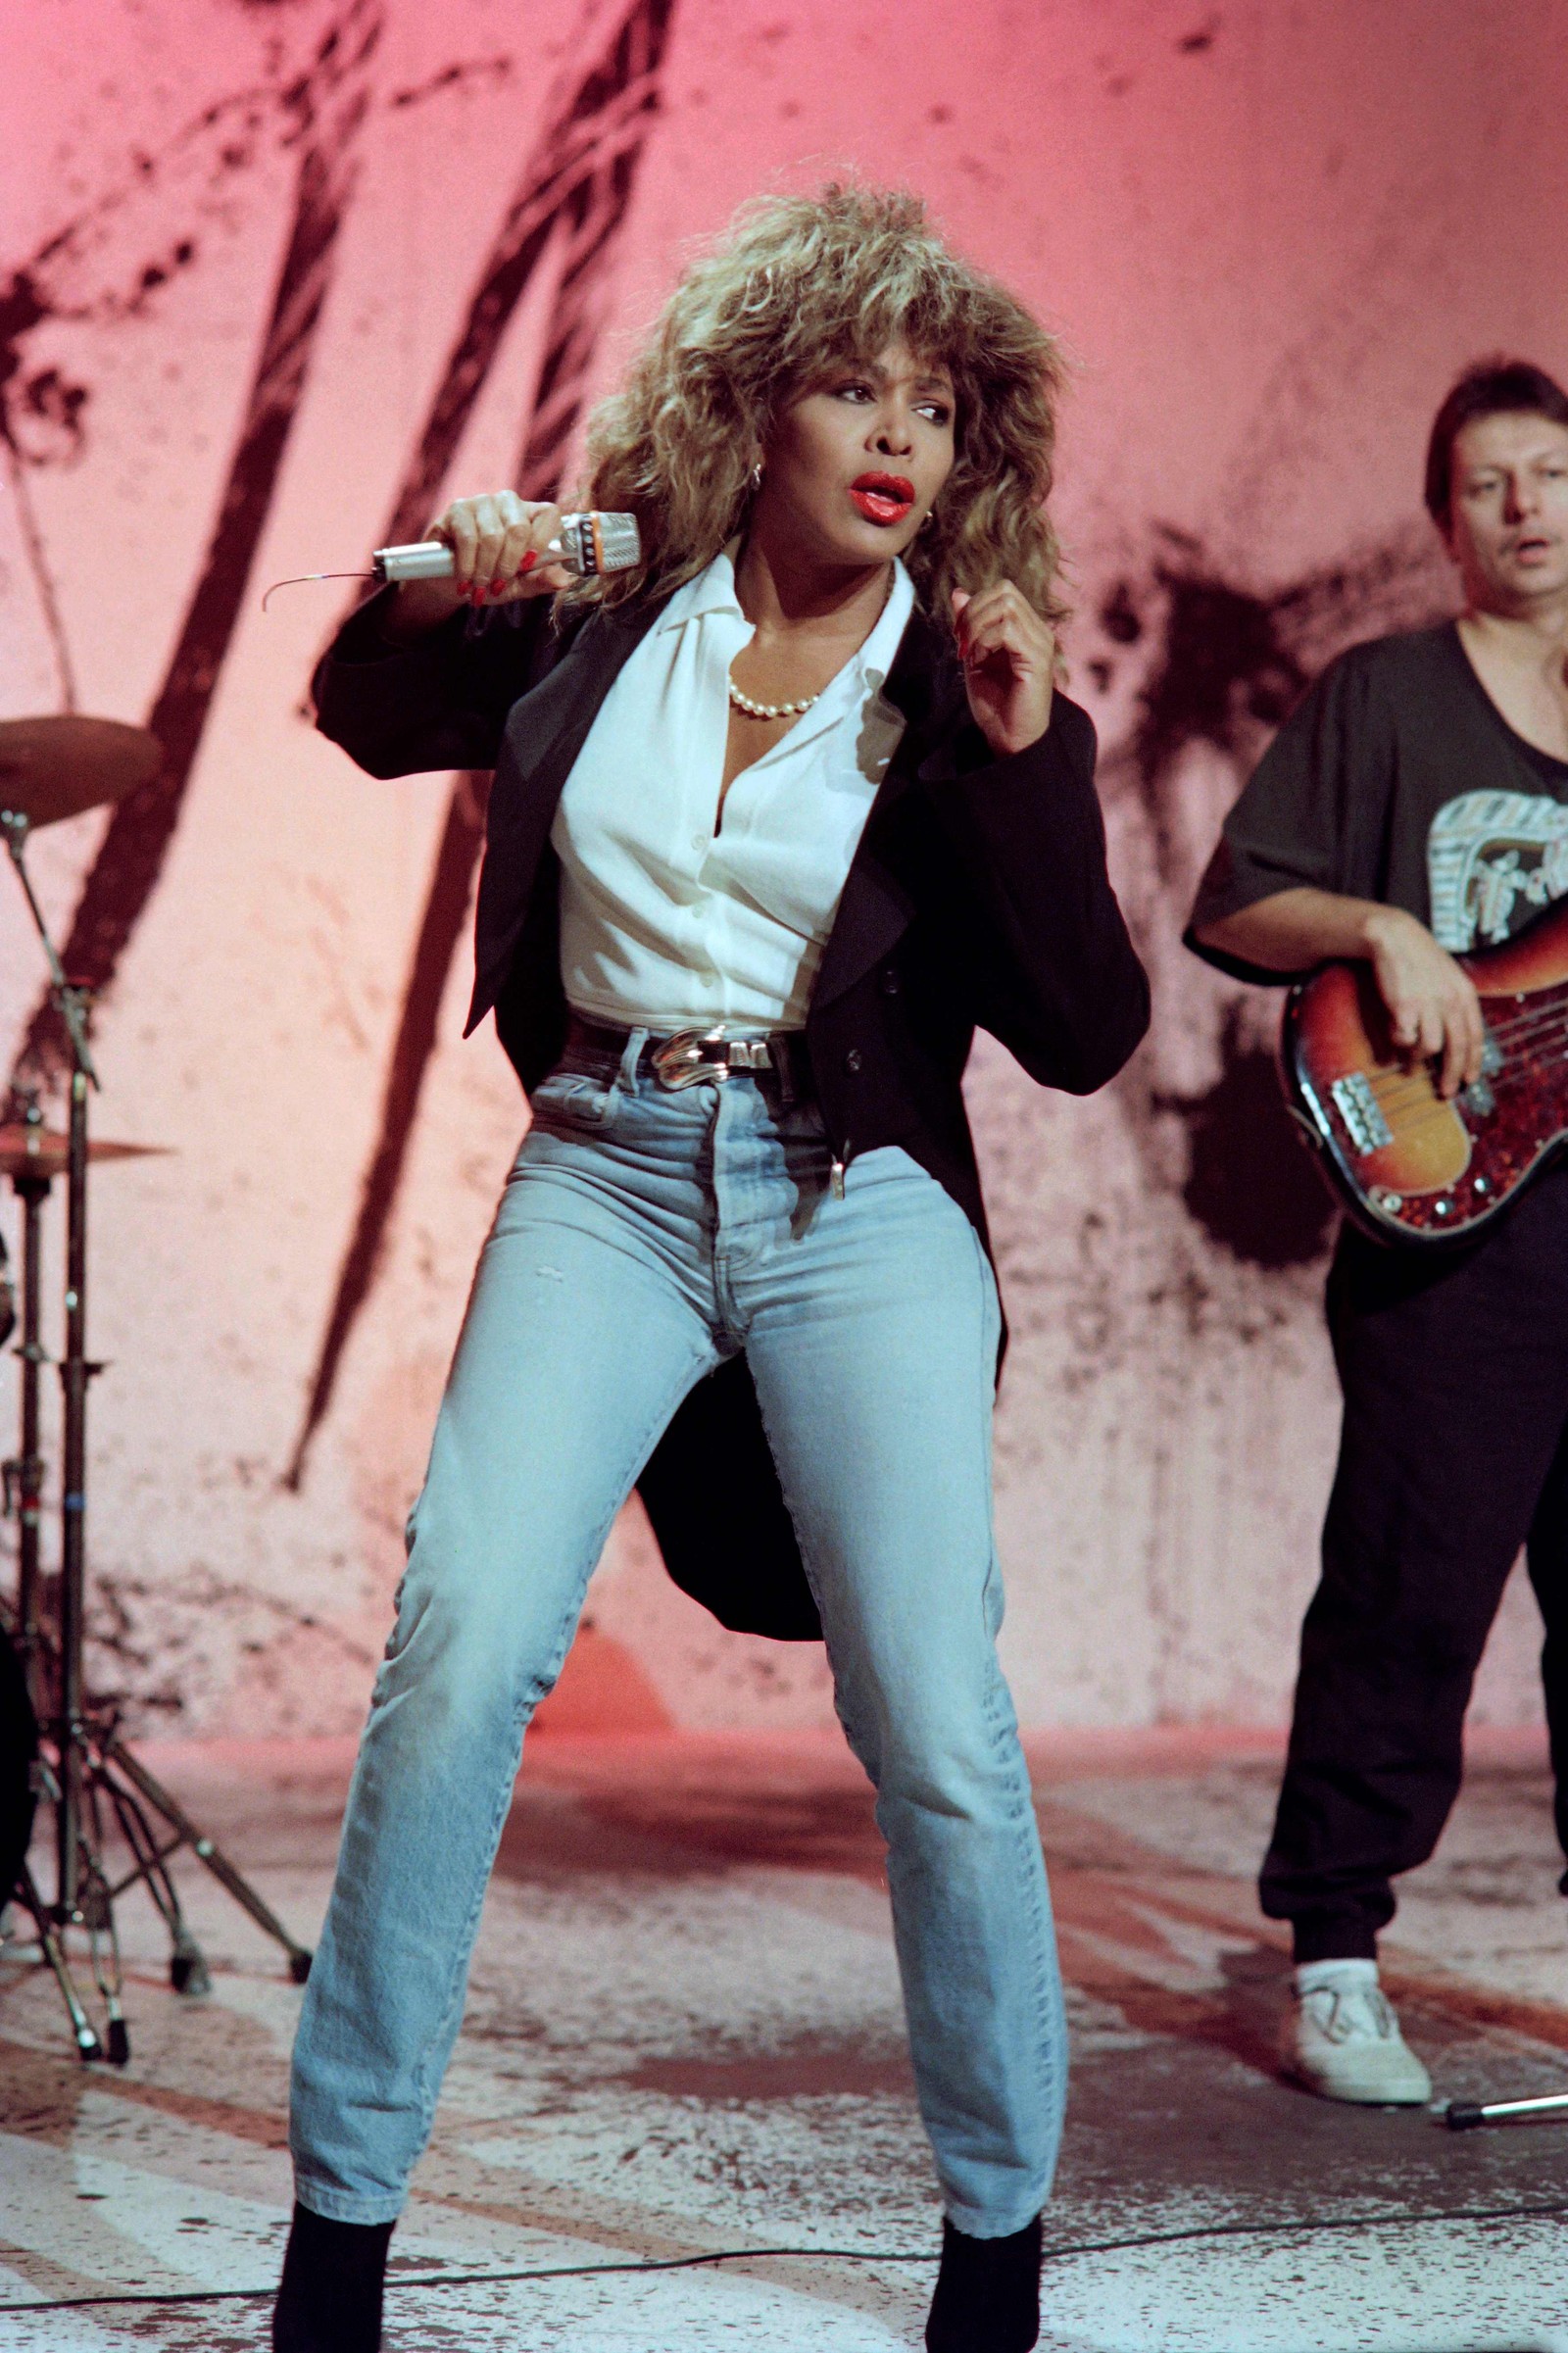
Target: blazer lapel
(876,908)
(544,733)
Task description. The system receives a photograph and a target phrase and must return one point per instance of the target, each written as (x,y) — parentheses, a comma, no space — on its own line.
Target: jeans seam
(1020,1815)
(1049,2020)
(428,2093)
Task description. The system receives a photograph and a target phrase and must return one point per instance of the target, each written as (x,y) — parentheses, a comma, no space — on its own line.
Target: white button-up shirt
(669,920)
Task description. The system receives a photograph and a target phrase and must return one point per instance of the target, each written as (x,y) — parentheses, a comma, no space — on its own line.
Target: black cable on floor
(688,2263)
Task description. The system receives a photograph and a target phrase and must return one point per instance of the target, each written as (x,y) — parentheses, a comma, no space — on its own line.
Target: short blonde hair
(800,285)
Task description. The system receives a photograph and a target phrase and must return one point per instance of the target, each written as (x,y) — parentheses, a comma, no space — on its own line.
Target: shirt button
(854,1061)
(890,983)
(698,841)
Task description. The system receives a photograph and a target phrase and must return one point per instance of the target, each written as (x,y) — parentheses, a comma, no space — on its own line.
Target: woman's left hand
(1010,665)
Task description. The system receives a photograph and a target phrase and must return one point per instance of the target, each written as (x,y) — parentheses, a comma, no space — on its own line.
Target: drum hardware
(50,769)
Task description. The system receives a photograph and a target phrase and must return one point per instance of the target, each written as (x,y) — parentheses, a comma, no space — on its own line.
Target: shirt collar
(875,657)
(713,591)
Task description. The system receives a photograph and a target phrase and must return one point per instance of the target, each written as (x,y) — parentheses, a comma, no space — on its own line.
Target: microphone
(588,543)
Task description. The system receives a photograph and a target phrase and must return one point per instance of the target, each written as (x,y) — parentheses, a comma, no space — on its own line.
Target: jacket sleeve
(1056,977)
(439,702)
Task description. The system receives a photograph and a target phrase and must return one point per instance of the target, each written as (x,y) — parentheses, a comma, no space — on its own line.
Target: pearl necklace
(791,710)
(771,711)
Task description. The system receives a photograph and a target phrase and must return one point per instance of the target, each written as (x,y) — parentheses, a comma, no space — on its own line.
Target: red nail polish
(528,561)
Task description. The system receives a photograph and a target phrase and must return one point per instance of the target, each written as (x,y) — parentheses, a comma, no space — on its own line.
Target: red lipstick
(883,498)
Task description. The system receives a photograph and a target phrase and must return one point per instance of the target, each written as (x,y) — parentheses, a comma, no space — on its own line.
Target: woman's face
(854,466)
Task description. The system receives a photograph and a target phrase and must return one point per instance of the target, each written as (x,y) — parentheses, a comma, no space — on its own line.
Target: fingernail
(529,560)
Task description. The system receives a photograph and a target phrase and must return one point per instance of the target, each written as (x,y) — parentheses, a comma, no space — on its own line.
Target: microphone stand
(91,1764)
(1464,2116)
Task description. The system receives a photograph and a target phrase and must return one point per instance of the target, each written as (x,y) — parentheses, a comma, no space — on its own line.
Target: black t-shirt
(1398,779)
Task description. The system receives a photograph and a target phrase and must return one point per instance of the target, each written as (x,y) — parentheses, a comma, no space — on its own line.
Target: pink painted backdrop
(268,269)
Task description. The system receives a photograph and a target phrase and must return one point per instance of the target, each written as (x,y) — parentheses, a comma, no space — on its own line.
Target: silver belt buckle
(680,1062)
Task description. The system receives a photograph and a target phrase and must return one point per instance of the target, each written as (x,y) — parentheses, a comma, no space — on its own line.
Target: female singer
(779,817)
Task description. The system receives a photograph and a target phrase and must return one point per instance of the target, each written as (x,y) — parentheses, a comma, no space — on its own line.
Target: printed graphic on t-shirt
(1494,861)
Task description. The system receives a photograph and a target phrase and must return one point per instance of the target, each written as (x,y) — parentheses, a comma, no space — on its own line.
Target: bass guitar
(1407,1165)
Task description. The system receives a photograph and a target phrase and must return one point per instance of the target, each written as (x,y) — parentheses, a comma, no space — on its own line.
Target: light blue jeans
(642,1237)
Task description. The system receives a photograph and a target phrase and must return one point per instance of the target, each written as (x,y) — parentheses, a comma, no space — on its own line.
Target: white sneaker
(1343,2040)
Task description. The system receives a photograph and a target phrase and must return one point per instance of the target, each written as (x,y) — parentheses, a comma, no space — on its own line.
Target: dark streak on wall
(1250,1183)
(1224,663)
(578,190)
(328,106)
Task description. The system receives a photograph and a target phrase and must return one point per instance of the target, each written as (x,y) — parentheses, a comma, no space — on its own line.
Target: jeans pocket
(573,1099)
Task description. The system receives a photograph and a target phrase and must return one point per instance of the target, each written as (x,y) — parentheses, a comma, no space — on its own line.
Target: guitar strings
(1408,1099)
(1396,1092)
(1526,1026)
(1529,1023)
(1544,1006)
(1407,1119)
(1520,1024)
(1527,1038)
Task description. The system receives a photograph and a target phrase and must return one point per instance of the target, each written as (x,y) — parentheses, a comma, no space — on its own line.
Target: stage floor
(683,2039)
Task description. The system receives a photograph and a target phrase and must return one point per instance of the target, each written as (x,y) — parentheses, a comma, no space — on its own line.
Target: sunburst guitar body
(1407,1165)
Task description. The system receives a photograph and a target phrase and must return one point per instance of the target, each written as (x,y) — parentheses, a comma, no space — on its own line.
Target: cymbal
(56,768)
(43,1152)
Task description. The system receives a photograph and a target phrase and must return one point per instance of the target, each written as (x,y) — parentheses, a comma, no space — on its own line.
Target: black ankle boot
(988,2293)
(329,2300)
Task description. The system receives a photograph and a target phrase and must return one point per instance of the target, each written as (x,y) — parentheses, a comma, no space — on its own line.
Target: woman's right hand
(500,547)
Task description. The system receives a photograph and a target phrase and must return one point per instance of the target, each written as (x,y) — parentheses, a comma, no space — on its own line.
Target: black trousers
(1452,1455)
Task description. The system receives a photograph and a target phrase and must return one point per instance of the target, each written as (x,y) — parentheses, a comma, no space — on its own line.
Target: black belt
(693,1056)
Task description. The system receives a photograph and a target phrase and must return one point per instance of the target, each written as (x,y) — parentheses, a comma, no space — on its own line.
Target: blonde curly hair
(801,285)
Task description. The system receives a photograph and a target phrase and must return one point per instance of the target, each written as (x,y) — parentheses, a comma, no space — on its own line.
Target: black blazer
(978,897)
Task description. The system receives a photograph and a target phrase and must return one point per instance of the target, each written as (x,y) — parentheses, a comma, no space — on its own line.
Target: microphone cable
(1133,2243)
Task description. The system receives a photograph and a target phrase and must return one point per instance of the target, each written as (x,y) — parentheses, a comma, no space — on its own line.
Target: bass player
(1416,807)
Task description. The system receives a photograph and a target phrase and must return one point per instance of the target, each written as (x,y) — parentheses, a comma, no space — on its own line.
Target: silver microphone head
(589,543)
(601,543)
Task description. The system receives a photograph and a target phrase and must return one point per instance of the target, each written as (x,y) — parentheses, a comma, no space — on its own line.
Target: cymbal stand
(23,1473)
(91,1768)
(24,1495)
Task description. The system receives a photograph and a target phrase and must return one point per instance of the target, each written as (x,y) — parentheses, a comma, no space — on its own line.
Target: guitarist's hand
(1430,1002)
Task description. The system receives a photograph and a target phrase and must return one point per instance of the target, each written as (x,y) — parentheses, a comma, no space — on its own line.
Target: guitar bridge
(1361,1112)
